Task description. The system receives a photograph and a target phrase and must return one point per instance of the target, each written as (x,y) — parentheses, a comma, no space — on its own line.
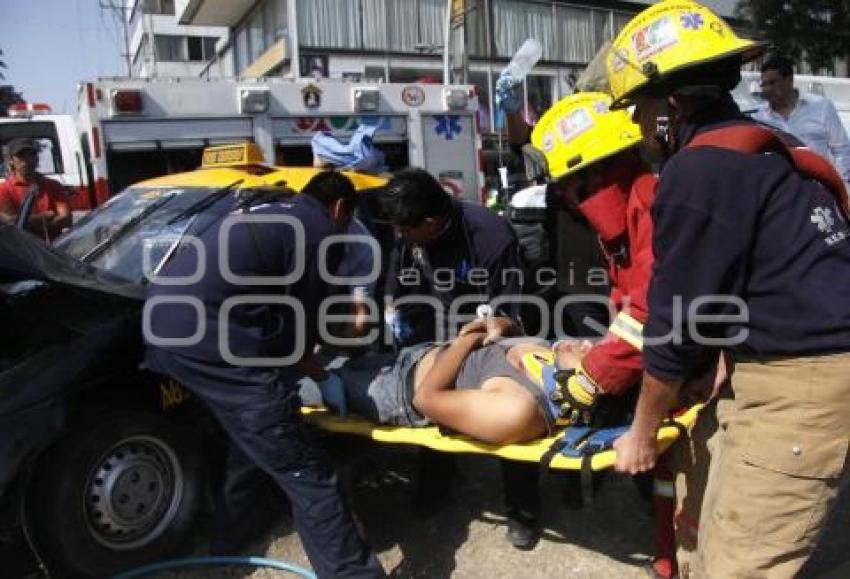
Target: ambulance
(135,129)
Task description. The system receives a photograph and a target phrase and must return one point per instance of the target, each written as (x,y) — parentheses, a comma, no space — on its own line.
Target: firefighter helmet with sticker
(580,130)
(666,38)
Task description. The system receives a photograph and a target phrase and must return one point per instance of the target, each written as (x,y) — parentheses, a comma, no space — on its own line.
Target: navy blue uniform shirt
(477,256)
(259,249)
(751,227)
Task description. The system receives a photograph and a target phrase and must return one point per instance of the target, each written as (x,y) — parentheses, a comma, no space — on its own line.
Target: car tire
(124,493)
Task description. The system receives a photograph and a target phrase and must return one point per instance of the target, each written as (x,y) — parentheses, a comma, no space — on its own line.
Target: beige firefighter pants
(778,456)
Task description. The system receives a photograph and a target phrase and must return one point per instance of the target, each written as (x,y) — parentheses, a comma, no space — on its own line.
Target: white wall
(152,24)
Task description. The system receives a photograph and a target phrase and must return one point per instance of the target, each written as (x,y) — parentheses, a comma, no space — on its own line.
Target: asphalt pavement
(461,534)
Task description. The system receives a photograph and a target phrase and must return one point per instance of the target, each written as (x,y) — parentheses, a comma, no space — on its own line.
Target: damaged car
(105,466)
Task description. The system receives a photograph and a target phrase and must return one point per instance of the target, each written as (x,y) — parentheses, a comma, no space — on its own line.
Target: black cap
(15,146)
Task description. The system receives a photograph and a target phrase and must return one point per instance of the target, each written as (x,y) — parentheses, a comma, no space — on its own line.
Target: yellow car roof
(293,177)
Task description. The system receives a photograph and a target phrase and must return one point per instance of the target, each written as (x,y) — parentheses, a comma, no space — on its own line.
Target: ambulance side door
(449,151)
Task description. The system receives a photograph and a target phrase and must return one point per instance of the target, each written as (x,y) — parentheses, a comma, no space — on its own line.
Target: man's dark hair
(414,195)
(328,186)
(783,65)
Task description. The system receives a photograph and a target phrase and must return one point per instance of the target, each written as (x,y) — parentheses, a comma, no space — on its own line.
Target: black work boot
(523,532)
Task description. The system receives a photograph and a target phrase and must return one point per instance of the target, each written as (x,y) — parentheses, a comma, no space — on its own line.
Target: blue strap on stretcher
(583,442)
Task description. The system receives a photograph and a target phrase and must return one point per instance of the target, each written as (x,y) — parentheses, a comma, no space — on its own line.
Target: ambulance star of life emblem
(822,217)
(692,20)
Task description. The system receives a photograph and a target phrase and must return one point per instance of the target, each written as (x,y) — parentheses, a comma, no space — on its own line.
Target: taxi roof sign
(232,155)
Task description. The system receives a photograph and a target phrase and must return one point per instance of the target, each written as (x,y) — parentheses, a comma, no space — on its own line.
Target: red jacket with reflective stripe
(614,364)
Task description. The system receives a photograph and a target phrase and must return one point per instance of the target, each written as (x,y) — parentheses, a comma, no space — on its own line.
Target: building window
(170,48)
(258,32)
(159,7)
(196,49)
(201,48)
(315,65)
(241,52)
(602,22)
(334,23)
(209,43)
(274,27)
(255,31)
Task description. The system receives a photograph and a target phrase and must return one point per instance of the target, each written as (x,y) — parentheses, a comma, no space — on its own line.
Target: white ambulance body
(135,129)
(60,152)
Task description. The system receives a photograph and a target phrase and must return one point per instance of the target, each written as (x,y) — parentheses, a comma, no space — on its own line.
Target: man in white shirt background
(811,118)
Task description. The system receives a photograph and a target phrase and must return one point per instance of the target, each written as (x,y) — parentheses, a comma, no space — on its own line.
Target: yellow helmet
(580,130)
(668,37)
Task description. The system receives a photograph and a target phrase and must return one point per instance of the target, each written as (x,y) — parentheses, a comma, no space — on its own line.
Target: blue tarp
(359,154)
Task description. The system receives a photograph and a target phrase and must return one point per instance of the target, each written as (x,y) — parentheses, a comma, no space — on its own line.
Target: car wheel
(115,496)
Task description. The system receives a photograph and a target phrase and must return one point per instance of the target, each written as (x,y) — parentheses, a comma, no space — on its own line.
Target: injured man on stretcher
(495,391)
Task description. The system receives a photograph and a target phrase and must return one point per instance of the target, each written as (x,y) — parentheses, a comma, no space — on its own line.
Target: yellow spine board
(432,438)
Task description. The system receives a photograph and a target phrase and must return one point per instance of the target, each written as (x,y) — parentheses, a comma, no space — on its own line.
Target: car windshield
(114,236)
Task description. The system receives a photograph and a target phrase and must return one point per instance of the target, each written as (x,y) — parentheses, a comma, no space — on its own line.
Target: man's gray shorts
(378,386)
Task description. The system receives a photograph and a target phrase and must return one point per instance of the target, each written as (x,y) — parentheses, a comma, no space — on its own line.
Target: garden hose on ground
(214,561)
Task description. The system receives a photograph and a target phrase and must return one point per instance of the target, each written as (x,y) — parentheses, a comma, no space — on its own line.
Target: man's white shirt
(814,121)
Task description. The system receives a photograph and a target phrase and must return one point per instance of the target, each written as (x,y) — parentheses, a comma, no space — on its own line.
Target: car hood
(23,257)
(66,326)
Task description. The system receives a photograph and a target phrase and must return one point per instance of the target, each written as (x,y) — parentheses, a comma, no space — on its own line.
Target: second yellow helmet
(580,130)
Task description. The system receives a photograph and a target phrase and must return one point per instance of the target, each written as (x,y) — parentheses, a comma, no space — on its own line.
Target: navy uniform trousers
(259,410)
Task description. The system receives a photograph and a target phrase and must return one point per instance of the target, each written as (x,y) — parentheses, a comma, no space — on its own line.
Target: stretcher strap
(583,443)
(750,138)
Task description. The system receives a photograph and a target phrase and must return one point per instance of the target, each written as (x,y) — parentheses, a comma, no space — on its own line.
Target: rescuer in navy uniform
(236,366)
(454,252)
(447,249)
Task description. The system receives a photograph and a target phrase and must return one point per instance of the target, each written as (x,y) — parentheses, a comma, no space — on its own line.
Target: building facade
(160,46)
(403,40)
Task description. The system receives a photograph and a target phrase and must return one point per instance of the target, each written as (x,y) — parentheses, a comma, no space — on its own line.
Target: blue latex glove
(403,332)
(508,96)
(333,394)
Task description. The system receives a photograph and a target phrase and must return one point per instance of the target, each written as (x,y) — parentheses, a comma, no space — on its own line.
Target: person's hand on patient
(494,329)
(310,366)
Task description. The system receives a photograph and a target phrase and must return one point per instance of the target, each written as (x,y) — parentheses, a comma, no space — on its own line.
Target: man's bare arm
(443,373)
(62,218)
(503,413)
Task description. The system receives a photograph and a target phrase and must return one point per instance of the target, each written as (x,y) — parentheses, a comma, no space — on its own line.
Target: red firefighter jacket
(620,213)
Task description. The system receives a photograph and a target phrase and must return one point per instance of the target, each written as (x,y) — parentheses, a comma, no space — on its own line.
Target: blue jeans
(377,385)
